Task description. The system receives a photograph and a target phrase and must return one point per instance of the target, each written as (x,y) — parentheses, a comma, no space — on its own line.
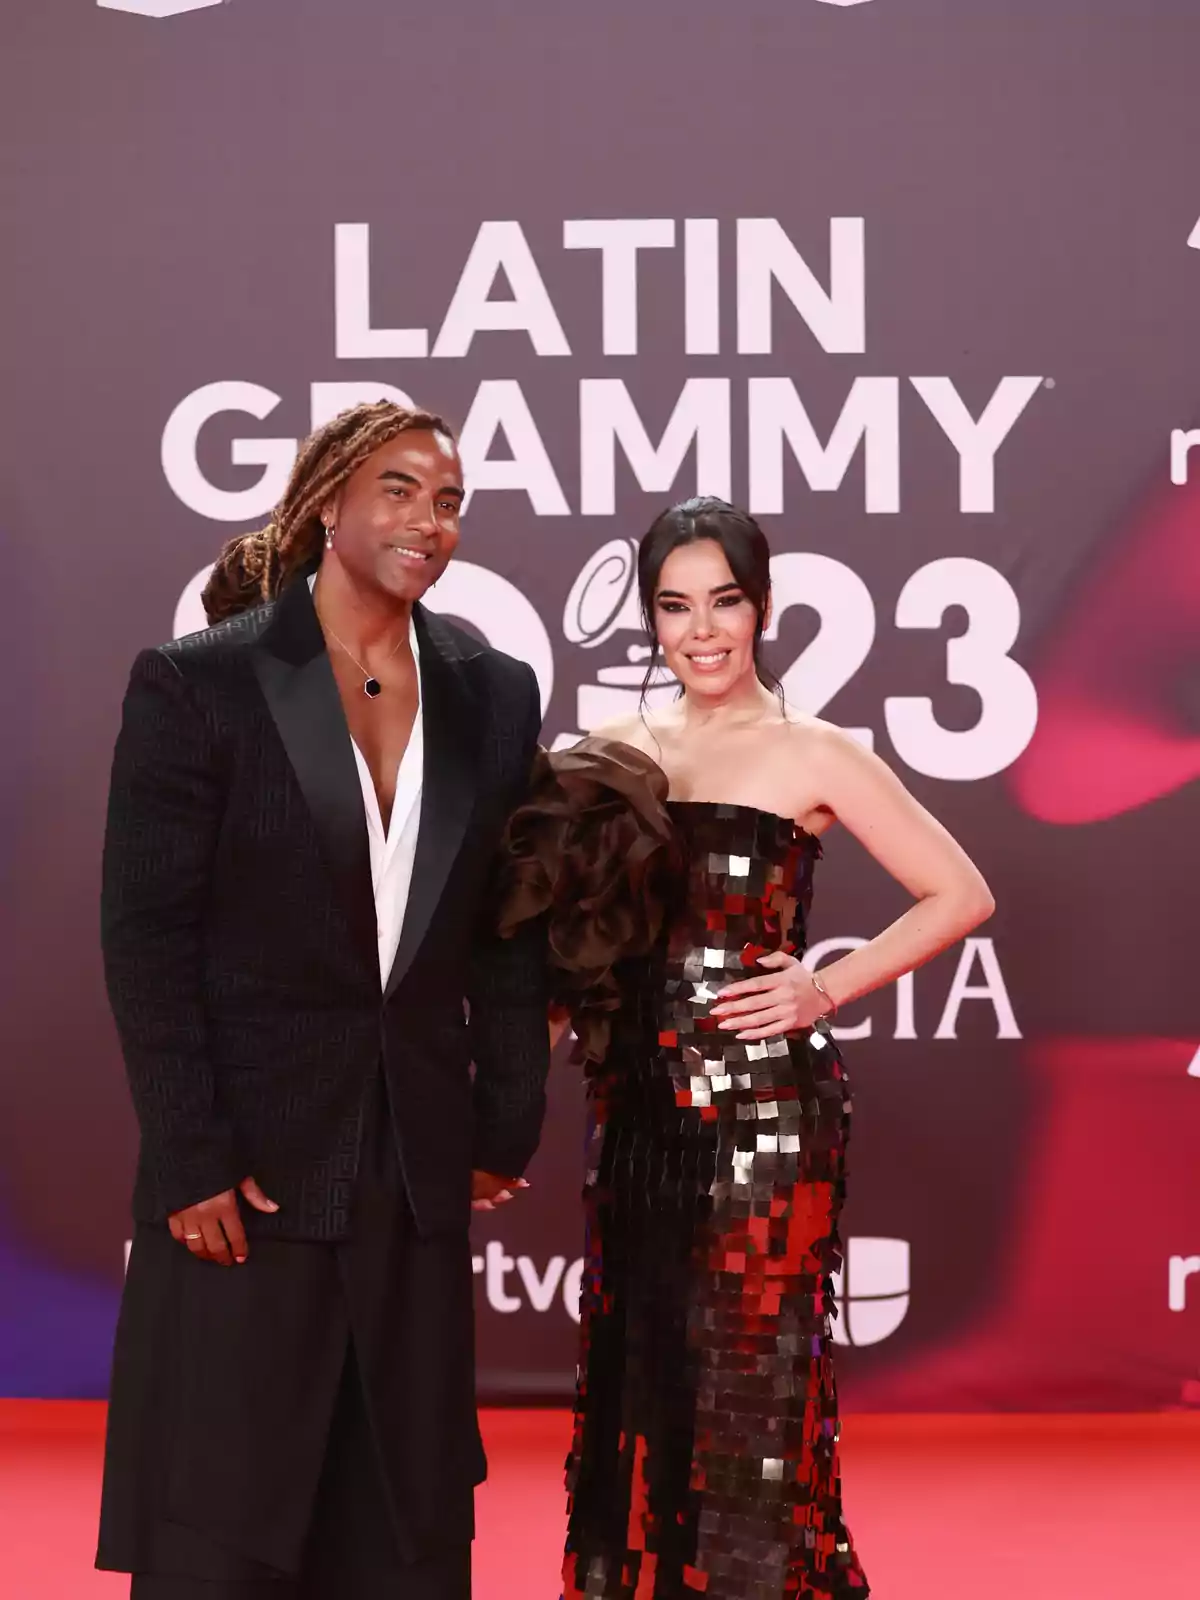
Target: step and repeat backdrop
(916,282)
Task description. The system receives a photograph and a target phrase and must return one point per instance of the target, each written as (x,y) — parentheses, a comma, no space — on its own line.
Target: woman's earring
(329,538)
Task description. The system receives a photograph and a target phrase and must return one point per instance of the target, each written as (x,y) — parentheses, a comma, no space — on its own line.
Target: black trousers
(302,1426)
(351,1548)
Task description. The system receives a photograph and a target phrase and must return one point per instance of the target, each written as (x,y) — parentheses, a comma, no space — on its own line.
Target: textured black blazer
(239,931)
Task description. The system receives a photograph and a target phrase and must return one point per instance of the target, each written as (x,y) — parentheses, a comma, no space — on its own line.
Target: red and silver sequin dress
(704,1459)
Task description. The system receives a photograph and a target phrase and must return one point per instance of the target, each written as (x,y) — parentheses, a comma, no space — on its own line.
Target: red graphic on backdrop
(1115,730)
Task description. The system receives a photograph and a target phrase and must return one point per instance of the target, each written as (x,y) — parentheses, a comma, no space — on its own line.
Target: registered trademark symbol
(1049,383)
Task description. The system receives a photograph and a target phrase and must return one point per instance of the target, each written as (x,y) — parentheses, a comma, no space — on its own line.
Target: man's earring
(329,538)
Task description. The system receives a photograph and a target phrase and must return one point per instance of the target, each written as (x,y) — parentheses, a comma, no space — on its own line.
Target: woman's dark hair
(253,567)
(744,546)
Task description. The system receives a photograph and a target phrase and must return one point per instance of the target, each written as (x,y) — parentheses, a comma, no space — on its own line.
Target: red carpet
(943,1508)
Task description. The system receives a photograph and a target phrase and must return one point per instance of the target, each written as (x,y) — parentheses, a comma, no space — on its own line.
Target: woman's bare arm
(951,895)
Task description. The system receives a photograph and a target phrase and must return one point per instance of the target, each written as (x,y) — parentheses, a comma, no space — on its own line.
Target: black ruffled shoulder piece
(593,850)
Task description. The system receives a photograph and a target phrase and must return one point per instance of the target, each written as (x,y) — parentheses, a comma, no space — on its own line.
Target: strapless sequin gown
(704,1459)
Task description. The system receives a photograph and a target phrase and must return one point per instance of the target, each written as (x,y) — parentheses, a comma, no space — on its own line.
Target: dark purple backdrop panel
(912,279)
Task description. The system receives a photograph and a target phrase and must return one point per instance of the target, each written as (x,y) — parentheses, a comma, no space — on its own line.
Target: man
(306,799)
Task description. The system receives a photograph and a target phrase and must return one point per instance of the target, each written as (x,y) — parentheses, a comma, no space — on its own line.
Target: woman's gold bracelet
(830,1002)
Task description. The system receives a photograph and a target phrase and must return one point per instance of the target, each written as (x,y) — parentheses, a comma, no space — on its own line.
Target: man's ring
(190,1236)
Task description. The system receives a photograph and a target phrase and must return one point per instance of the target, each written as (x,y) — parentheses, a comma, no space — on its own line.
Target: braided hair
(253,567)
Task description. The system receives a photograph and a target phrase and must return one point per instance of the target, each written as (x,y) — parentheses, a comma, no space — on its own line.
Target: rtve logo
(1179,1270)
(157,8)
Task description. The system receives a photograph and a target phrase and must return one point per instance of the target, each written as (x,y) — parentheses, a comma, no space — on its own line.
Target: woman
(673,857)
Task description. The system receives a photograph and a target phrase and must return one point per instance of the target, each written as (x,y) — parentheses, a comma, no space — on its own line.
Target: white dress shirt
(394,850)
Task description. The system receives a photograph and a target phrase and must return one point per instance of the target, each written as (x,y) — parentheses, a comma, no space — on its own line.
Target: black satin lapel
(302,696)
(451,719)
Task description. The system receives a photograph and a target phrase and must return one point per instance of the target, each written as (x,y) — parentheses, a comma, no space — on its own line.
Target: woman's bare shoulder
(823,756)
(813,736)
(636,731)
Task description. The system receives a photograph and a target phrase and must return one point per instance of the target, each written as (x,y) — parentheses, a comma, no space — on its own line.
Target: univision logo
(872,1290)
(158,8)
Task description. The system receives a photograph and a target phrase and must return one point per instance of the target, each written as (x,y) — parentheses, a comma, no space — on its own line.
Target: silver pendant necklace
(372,687)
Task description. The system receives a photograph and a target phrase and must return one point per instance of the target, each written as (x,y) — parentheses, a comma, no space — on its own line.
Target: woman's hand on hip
(781,1000)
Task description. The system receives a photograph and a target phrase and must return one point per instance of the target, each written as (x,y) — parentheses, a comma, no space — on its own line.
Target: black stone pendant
(372,688)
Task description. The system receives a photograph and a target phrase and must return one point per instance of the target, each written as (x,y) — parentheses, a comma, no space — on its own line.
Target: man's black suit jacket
(239,928)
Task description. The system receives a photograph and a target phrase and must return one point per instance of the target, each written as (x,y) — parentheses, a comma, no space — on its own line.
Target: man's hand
(212,1230)
(488,1191)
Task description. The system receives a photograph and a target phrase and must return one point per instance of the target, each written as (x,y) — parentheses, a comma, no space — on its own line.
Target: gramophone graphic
(604,601)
